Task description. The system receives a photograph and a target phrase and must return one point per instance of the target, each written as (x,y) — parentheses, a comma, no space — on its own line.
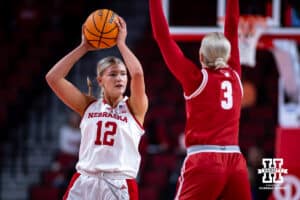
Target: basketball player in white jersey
(111,126)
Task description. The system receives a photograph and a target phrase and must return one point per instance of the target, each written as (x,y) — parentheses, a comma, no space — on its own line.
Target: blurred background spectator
(69,141)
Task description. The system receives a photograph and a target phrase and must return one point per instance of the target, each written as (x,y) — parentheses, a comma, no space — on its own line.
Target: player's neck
(112,101)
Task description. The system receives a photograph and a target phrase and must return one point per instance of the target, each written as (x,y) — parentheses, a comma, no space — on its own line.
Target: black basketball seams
(106,16)
(109,38)
(111,29)
(95,24)
(90,32)
(93,40)
(105,43)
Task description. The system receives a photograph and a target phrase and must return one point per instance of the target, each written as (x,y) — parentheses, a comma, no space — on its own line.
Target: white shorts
(102,187)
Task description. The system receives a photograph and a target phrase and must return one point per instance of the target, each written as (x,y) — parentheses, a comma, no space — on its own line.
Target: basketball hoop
(251,27)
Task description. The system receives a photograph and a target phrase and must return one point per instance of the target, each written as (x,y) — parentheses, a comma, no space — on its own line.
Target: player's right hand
(85,43)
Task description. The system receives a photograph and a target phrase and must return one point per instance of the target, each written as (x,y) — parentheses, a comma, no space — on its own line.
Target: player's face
(114,80)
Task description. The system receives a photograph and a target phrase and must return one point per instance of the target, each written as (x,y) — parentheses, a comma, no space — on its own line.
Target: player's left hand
(122,30)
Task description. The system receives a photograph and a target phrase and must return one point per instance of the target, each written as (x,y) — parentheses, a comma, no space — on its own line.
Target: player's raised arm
(231,32)
(64,89)
(138,99)
(182,68)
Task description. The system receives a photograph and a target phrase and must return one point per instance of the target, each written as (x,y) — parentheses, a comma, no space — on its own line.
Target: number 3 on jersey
(226,103)
(108,129)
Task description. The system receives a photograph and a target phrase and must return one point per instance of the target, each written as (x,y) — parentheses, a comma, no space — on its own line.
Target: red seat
(262,113)
(253,129)
(66,161)
(157,177)
(50,178)
(168,161)
(149,193)
(44,192)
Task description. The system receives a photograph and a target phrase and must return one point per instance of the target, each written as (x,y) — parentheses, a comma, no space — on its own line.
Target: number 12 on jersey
(105,133)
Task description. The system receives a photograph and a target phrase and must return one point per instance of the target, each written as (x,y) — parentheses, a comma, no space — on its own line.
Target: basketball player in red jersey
(111,126)
(214,167)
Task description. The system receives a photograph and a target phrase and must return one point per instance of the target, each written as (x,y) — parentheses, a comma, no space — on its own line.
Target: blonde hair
(103,64)
(215,49)
(107,62)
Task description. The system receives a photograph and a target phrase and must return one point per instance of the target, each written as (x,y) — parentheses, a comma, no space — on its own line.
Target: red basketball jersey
(213,98)
(213,110)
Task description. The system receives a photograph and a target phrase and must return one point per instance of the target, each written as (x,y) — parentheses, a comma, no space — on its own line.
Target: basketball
(100,28)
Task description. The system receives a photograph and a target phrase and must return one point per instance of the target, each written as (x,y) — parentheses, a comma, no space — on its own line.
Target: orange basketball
(100,28)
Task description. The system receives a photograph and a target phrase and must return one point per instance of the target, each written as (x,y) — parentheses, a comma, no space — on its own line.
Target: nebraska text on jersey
(107,114)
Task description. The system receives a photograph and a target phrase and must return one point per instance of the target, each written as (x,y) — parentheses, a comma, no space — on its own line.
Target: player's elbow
(137,75)
(50,78)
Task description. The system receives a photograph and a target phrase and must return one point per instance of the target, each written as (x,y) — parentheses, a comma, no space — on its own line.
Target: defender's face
(114,80)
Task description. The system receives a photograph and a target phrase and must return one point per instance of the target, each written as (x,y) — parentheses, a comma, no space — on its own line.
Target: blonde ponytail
(90,86)
(219,62)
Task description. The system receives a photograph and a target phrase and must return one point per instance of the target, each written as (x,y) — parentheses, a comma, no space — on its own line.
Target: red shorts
(101,187)
(214,175)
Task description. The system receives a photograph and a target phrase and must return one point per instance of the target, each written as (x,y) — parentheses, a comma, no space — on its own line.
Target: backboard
(190,20)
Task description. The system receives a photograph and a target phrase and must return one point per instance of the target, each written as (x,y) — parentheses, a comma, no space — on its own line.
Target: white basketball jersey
(109,140)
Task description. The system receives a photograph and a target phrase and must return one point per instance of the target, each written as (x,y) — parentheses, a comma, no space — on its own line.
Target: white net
(250,29)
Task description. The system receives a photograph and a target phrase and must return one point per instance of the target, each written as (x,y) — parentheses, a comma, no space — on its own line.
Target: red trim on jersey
(132,189)
(240,82)
(140,125)
(74,178)
(89,105)
(201,86)
(104,101)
